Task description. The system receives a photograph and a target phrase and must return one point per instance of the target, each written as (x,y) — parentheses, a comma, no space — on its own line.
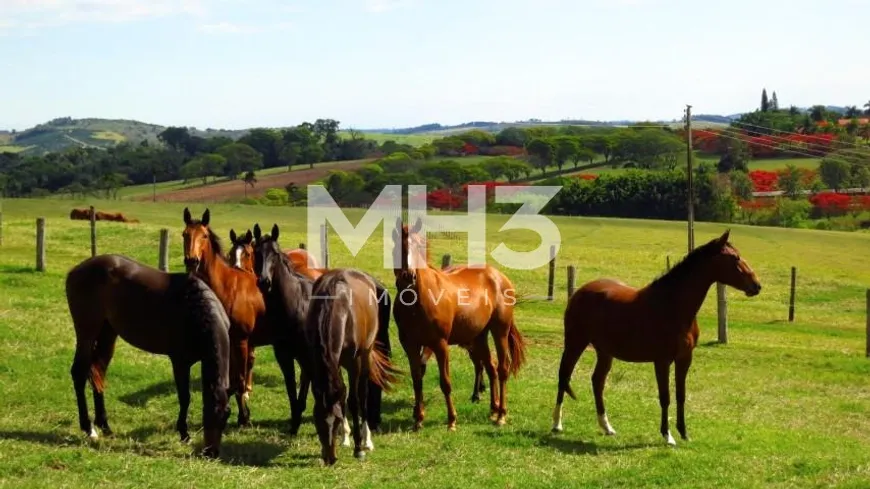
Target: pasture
(781,405)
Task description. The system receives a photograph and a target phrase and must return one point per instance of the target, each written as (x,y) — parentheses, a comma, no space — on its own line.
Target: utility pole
(691,192)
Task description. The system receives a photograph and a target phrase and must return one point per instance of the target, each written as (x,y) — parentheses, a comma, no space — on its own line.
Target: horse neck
(684,297)
(216,269)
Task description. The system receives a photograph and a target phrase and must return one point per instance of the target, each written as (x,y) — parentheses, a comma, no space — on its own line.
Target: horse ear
(275,232)
(418,225)
(187,218)
(723,240)
(257,233)
(249,237)
(232,235)
(206,216)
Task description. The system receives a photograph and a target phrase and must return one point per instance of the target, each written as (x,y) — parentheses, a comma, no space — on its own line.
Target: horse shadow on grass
(564,444)
(12,269)
(167,388)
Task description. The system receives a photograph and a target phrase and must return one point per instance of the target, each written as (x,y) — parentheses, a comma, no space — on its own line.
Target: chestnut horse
(240,295)
(170,314)
(341,331)
(656,324)
(437,308)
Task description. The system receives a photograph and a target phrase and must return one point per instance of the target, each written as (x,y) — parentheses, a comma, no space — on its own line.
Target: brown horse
(341,331)
(436,308)
(243,300)
(656,324)
(171,314)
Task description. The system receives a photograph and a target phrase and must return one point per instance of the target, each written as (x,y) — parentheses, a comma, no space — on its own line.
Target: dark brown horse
(341,331)
(171,314)
(286,304)
(656,324)
(240,295)
(436,308)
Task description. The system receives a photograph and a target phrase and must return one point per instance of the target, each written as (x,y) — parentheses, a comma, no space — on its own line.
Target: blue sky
(395,63)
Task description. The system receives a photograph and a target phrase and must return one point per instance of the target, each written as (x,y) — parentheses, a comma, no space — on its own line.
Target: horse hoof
(557,429)
(185,438)
(418,426)
(493,416)
(360,455)
(93,434)
(670,440)
(501,421)
(451,427)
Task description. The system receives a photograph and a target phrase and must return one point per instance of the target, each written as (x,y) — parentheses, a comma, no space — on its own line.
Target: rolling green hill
(65,132)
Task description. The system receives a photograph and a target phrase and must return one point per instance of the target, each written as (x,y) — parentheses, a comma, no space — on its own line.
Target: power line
(829,157)
(803,135)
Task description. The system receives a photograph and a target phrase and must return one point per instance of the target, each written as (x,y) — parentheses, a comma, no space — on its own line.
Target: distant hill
(65,132)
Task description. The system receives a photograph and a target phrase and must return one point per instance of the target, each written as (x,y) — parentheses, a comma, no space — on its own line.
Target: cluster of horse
(85,215)
(227,304)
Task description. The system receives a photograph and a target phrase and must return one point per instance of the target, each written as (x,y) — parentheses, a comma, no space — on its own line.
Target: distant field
(7,148)
(412,139)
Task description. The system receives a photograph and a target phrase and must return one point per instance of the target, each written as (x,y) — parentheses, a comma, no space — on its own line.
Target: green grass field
(412,139)
(781,405)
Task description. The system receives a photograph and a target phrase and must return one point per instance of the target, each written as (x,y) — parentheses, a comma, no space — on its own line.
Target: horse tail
(327,314)
(101,355)
(517,348)
(382,372)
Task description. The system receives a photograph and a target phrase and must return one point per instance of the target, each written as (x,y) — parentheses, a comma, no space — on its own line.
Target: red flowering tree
(763,180)
(586,176)
(829,204)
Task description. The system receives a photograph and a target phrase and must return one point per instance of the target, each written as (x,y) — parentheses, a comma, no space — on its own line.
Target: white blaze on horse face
(238,257)
(604,423)
(557,418)
(367,437)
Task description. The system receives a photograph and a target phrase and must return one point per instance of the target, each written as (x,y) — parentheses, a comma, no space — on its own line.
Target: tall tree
(867,106)
(774,102)
(765,104)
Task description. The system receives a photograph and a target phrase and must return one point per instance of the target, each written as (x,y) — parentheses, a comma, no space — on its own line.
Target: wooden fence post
(868,323)
(324,241)
(668,262)
(722,312)
(791,295)
(40,244)
(551,281)
(571,272)
(445,261)
(163,257)
(93,232)
(1,228)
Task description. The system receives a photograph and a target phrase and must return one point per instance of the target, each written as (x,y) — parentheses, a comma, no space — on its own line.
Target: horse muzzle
(753,290)
(192,264)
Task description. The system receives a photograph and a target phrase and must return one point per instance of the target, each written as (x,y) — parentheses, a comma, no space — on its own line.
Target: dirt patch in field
(235,190)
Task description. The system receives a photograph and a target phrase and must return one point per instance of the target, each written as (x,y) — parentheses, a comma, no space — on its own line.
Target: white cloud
(30,14)
(234,28)
(378,6)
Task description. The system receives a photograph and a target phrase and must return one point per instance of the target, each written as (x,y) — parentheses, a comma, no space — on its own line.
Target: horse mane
(285,260)
(686,266)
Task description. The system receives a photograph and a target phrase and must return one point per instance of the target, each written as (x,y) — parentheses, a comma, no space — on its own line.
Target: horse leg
(663,371)
(364,387)
(238,375)
(79,372)
(415,364)
(181,374)
(102,356)
(425,355)
(284,356)
(570,356)
(442,354)
(501,348)
(482,358)
(353,399)
(249,379)
(304,386)
(682,369)
(599,379)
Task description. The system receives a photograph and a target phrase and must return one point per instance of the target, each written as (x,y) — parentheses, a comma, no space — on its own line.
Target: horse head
(409,252)
(267,254)
(729,268)
(241,254)
(198,240)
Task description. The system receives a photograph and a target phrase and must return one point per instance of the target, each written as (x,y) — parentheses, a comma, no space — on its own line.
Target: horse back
(145,306)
